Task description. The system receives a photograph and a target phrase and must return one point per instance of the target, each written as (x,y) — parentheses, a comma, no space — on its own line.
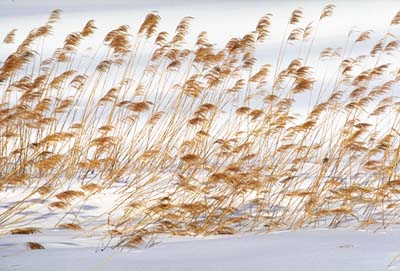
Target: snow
(343,249)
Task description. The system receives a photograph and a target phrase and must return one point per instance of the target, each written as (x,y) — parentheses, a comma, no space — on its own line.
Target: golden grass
(34,245)
(200,141)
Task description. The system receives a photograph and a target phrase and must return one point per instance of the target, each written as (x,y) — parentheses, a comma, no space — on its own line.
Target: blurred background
(221,19)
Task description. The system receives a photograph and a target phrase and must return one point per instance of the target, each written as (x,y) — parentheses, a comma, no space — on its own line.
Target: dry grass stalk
(197,140)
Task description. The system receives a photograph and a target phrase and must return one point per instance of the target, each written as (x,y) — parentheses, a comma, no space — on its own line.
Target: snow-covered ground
(301,250)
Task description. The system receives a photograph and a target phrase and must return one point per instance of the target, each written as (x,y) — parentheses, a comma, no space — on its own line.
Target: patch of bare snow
(326,250)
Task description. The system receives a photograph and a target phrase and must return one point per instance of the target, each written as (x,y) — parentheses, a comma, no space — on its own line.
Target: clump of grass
(27,230)
(199,141)
(34,245)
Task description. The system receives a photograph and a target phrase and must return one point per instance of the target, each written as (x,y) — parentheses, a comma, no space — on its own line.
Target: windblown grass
(198,141)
